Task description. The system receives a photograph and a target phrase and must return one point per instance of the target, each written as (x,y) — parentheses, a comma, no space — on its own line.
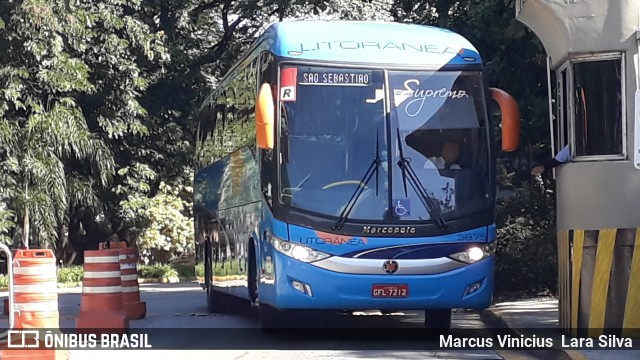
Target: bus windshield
(335,122)
(330,134)
(440,123)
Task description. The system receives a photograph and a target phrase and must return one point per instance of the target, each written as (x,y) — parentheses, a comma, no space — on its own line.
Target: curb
(495,321)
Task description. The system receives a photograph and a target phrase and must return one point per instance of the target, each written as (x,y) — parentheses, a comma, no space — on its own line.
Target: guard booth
(594,92)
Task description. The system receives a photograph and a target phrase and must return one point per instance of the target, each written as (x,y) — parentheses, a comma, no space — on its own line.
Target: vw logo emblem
(390,266)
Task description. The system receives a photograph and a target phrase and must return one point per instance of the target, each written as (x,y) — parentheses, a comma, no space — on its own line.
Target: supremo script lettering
(420,96)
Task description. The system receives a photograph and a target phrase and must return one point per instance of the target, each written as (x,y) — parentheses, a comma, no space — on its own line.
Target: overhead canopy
(581,26)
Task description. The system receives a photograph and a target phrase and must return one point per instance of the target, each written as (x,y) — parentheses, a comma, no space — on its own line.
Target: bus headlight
(296,251)
(475,253)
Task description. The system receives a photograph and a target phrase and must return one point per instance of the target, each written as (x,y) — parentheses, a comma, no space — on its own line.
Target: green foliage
(74,274)
(185,271)
(526,258)
(199,269)
(164,223)
(70,275)
(6,223)
(156,271)
(347,10)
(96,103)
(47,140)
(227,268)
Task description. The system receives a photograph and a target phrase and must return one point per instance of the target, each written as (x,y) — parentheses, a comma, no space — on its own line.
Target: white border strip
(101,259)
(101,289)
(101,274)
(36,270)
(50,288)
(37,306)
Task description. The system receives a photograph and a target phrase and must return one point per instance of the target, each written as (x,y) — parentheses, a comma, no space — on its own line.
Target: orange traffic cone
(133,307)
(101,304)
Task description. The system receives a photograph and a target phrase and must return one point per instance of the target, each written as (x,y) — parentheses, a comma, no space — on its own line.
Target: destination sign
(335,77)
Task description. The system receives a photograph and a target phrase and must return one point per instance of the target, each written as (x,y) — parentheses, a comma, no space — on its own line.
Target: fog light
(302,287)
(307,289)
(298,286)
(472,288)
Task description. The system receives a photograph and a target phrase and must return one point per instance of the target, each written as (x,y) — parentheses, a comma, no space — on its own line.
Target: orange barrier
(35,305)
(36,289)
(133,307)
(101,304)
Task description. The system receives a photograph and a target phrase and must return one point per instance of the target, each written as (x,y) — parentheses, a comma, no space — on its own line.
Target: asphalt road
(180,327)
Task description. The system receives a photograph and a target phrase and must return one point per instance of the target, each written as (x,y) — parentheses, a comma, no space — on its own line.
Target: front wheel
(438,319)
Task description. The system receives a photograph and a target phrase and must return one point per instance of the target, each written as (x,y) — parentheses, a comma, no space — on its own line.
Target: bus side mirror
(265,117)
(510,119)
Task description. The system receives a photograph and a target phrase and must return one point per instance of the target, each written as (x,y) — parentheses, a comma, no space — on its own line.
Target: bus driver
(448,158)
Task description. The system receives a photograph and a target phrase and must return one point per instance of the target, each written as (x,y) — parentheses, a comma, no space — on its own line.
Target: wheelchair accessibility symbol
(401,207)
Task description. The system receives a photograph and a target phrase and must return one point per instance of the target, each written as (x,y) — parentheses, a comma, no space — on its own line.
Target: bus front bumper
(292,284)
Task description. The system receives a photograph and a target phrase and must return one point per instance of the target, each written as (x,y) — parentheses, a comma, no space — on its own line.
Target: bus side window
(266,74)
(205,142)
(217,135)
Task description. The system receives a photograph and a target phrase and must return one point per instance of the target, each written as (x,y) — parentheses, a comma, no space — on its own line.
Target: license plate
(390,290)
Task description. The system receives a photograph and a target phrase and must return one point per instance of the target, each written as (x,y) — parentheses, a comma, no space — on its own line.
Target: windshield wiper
(432,205)
(373,169)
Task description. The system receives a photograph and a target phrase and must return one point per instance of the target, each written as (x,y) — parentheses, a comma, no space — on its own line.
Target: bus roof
(369,43)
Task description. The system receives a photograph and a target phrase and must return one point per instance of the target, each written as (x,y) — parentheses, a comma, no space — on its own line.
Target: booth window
(597,108)
(559,105)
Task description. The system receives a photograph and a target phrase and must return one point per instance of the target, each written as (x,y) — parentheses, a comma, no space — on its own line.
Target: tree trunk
(61,247)
(71,258)
(25,229)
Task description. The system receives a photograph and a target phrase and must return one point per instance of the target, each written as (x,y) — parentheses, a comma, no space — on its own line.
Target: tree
(43,126)
(164,223)
(96,105)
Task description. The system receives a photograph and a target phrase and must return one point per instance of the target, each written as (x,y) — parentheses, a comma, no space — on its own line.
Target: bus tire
(270,318)
(439,319)
(208,271)
(252,273)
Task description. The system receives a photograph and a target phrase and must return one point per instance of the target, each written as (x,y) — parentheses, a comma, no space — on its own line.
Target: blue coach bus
(350,165)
